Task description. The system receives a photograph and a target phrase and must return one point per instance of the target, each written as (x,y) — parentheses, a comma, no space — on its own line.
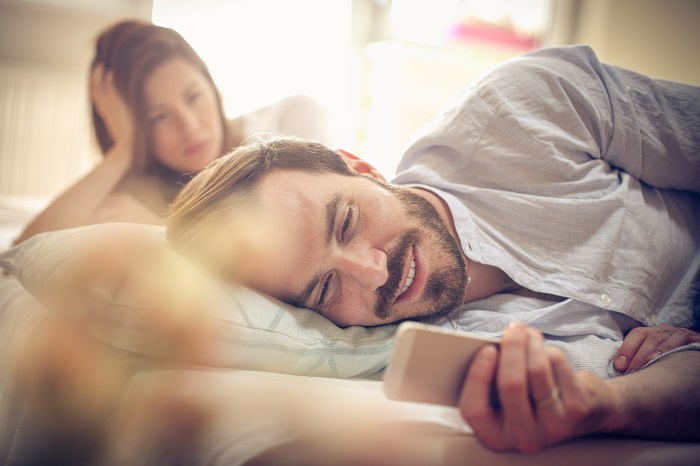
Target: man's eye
(347,222)
(324,290)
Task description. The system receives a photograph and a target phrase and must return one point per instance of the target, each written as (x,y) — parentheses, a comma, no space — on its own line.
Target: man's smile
(409,277)
(414,277)
(393,259)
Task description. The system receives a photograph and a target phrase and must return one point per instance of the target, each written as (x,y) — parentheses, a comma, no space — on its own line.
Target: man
(557,191)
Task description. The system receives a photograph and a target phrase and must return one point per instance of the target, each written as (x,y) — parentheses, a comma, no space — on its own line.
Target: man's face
(355,250)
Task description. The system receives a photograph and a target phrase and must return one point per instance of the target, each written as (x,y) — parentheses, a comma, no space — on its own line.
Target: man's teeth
(409,279)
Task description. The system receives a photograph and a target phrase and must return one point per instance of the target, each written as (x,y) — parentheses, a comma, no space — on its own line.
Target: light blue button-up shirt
(578,179)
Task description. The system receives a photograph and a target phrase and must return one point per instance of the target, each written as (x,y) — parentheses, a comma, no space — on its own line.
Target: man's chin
(428,317)
(433,317)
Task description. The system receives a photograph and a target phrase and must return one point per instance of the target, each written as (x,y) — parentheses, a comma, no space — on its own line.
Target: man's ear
(360,166)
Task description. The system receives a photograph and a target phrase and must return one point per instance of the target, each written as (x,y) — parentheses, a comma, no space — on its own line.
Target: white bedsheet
(331,421)
(15,214)
(268,418)
(253,411)
(256,423)
(258,411)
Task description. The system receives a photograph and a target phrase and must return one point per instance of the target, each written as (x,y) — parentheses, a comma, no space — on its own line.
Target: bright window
(260,51)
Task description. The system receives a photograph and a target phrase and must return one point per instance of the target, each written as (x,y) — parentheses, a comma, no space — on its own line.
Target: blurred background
(382,67)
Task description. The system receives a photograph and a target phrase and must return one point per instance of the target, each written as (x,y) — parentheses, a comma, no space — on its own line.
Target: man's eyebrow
(331,214)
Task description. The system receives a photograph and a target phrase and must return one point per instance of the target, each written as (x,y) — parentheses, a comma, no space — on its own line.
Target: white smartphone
(429,363)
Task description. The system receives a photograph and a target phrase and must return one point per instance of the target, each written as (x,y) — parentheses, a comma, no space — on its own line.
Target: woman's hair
(230,181)
(131,50)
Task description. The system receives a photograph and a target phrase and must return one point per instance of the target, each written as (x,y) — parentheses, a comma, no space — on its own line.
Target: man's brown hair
(231,180)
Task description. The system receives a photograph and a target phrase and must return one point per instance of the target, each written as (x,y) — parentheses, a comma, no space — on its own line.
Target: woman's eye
(155,119)
(193,97)
(347,222)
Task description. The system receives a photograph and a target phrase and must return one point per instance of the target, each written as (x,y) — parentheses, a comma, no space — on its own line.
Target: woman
(158,118)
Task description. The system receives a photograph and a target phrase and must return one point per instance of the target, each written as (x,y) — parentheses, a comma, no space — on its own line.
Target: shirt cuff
(688,347)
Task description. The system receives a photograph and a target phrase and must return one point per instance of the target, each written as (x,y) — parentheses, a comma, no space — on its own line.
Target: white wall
(426,62)
(46,45)
(45,50)
(660,38)
(260,51)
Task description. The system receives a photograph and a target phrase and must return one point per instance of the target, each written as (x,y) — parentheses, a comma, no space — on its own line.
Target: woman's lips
(197,148)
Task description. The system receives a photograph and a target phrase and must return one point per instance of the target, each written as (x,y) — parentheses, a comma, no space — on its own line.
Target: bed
(280,385)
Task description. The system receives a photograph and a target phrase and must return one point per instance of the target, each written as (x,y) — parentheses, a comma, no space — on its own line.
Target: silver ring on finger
(551,397)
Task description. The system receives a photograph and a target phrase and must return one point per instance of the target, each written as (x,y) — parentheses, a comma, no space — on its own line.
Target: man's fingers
(474,401)
(564,376)
(648,351)
(514,389)
(512,371)
(633,341)
(477,387)
(543,389)
(67,379)
(660,340)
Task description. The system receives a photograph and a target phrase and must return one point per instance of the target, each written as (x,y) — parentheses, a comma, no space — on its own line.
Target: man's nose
(367,267)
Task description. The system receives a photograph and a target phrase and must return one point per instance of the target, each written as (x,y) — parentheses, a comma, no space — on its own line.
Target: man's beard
(444,289)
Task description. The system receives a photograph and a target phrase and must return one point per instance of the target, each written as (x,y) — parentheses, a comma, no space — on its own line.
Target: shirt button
(605,298)
(654,320)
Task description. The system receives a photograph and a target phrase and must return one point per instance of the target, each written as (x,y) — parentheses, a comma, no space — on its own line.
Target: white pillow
(254,331)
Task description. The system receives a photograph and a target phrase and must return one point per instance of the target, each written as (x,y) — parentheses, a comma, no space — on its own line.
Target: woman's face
(183,116)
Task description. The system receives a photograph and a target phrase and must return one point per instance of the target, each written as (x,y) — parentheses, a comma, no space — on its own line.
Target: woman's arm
(77,206)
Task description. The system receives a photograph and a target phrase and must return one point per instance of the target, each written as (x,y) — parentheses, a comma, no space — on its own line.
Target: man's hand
(80,392)
(643,344)
(128,288)
(124,289)
(542,401)
(69,381)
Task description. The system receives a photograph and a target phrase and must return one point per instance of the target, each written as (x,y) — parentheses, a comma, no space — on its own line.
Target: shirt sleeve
(656,125)
(661,357)
(549,178)
(578,107)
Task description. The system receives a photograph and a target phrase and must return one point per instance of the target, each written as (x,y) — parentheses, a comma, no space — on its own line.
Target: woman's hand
(112,108)
(643,344)
(542,401)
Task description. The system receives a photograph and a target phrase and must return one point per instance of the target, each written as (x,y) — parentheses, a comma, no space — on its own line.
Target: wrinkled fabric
(577,179)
